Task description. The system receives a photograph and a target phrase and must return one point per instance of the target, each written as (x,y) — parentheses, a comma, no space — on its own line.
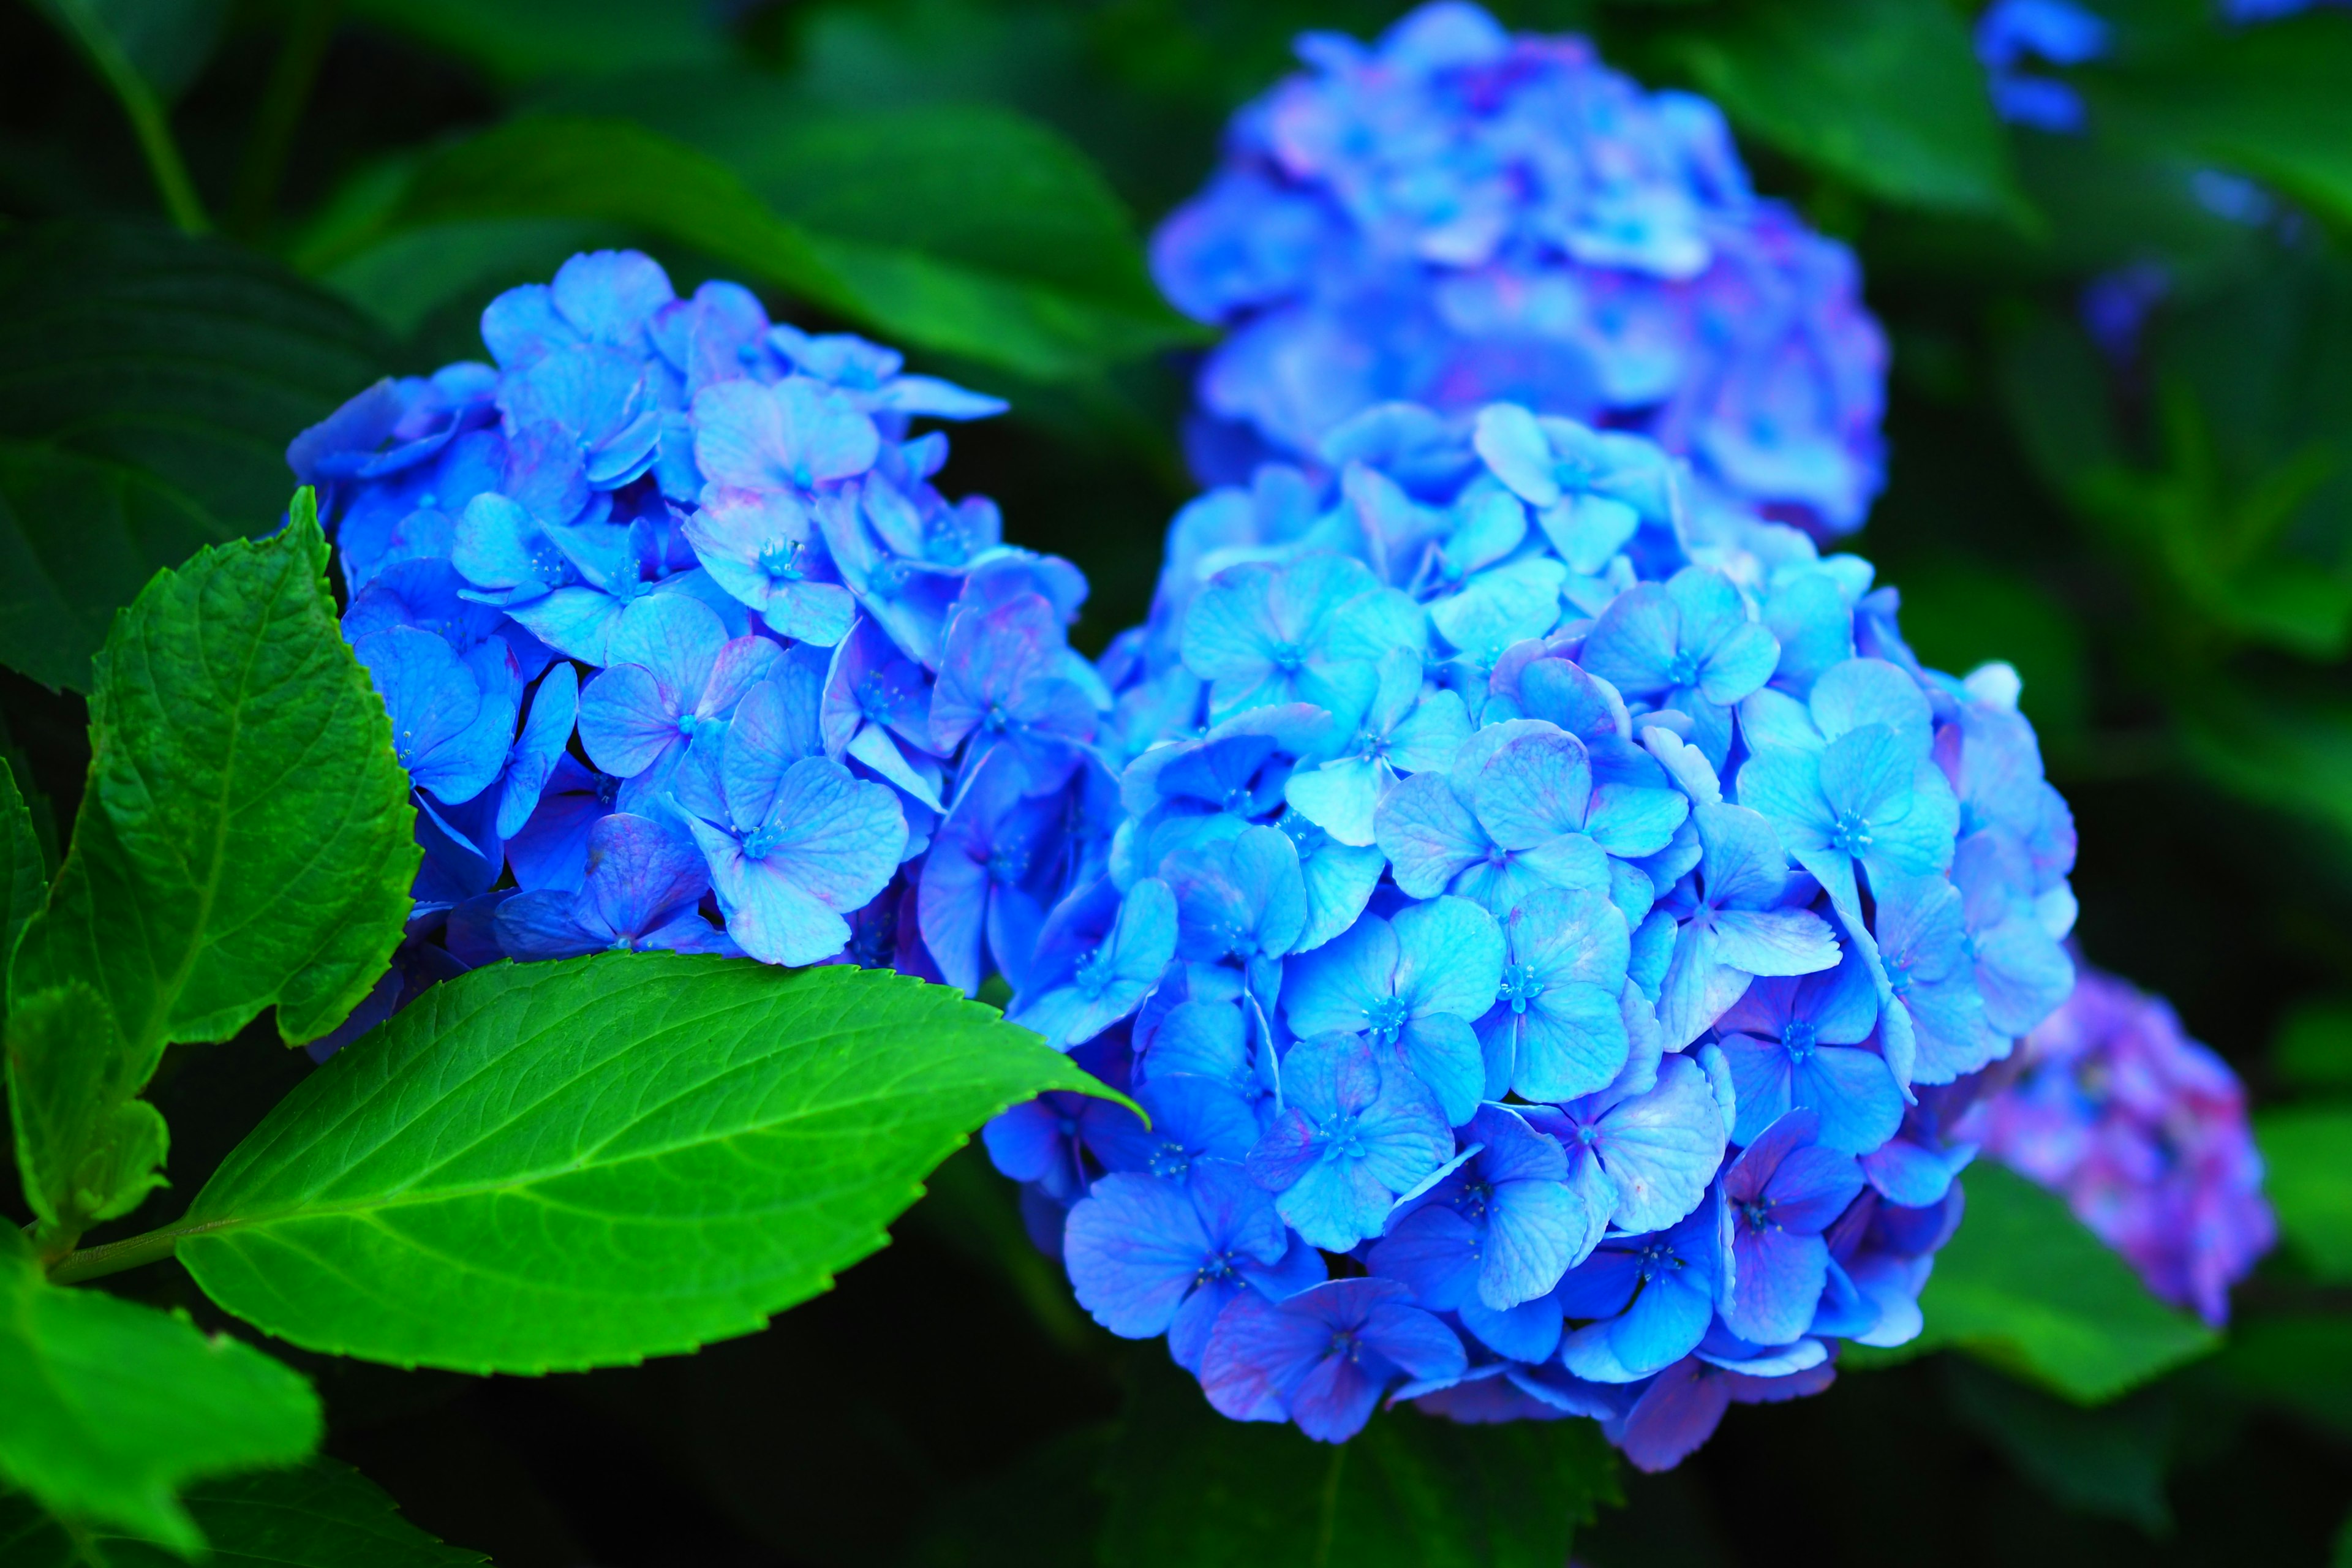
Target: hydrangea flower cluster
(1454,216)
(683,650)
(1551,931)
(2143,1131)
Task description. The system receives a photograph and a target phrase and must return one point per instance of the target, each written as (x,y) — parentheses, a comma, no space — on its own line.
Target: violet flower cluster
(1551,929)
(683,650)
(1455,215)
(2143,1131)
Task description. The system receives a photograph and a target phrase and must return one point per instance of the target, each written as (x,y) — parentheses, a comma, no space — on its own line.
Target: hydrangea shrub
(683,650)
(1455,216)
(1552,930)
(2143,1132)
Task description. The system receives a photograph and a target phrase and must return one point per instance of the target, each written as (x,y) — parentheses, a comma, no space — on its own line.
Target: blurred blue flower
(1456,217)
(2012,35)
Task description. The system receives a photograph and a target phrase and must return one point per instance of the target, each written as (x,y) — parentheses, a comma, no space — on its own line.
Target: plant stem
(147,118)
(94,1262)
(267,146)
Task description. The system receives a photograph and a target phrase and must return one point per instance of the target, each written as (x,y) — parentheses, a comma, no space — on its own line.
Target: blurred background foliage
(222,216)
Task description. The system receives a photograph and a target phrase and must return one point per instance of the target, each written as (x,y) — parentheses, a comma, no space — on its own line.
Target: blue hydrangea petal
(1775,941)
(1334,987)
(1742,662)
(1528,1331)
(1777,1281)
(1633,644)
(640,873)
(1449,957)
(1435,1252)
(539,925)
(1662,1148)
(1134,1248)
(1864,691)
(1428,833)
(1444,1054)
(1854,1092)
(628,720)
(554,708)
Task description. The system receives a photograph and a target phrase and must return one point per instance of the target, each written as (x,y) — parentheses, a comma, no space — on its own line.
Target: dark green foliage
(1190,1488)
(321,1514)
(148,386)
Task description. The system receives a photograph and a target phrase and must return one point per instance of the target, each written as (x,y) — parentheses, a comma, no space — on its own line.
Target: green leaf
(2307,1173)
(2302,1363)
(2274,746)
(560,1166)
(1883,93)
(965,231)
(148,386)
(244,841)
(2314,1048)
(520,41)
(2024,1286)
(87,1149)
(110,1406)
(321,1515)
(2108,1461)
(24,879)
(167,42)
(2266,101)
(1190,1489)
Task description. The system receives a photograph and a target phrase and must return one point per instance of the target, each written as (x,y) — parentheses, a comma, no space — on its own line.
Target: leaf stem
(151,1246)
(291,77)
(147,118)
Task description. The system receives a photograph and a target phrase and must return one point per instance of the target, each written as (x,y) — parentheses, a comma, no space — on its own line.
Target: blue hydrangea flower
(2012,35)
(704,553)
(1455,215)
(1631,1043)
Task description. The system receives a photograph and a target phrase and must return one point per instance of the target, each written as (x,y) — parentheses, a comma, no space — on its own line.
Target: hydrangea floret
(1552,929)
(1455,216)
(683,650)
(2143,1132)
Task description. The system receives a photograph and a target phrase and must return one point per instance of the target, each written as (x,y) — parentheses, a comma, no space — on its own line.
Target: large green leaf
(148,386)
(2023,1285)
(1883,93)
(966,231)
(244,842)
(166,42)
(1191,1489)
(559,1165)
(321,1515)
(520,41)
(107,1406)
(2307,1171)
